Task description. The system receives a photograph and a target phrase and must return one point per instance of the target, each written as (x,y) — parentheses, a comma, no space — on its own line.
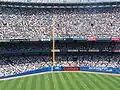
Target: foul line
(110,74)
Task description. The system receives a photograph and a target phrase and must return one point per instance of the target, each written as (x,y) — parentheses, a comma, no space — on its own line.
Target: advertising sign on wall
(71,68)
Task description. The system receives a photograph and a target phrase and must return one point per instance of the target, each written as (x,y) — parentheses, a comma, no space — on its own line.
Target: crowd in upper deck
(24,23)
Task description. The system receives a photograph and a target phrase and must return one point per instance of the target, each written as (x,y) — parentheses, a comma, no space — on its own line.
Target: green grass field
(63,81)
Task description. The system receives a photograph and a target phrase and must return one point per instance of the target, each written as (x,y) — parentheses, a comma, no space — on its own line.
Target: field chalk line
(110,74)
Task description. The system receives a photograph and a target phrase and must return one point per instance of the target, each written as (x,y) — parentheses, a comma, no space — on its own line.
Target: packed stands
(38,23)
(25,23)
(18,64)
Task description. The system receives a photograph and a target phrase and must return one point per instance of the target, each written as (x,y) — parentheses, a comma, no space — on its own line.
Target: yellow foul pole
(53,42)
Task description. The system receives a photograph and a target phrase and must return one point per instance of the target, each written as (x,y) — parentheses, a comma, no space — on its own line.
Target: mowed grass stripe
(48,84)
(24,84)
(19,86)
(64,82)
(73,81)
(55,80)
(13,84)
(28,85)
(42,82)
(33,83)
(95,81)
(81,81)
(77,81)
(69,81)
(116,80)
(4,85)
(60,82)
(86,83)
(112,82)
(103,81)
(108,80)
(1,82)
(92,86)
(89,83)
(38,82)
(50,81)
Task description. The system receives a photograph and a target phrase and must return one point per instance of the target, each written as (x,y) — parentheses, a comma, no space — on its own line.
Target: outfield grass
(63,81)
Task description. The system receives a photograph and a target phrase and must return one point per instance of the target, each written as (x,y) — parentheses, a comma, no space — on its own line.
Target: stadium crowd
(19,64)
(23,23)
(15,65)
(90,60)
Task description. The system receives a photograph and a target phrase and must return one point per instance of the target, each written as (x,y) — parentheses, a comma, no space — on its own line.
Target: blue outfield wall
(60,68)
(44,69)
(101,69)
